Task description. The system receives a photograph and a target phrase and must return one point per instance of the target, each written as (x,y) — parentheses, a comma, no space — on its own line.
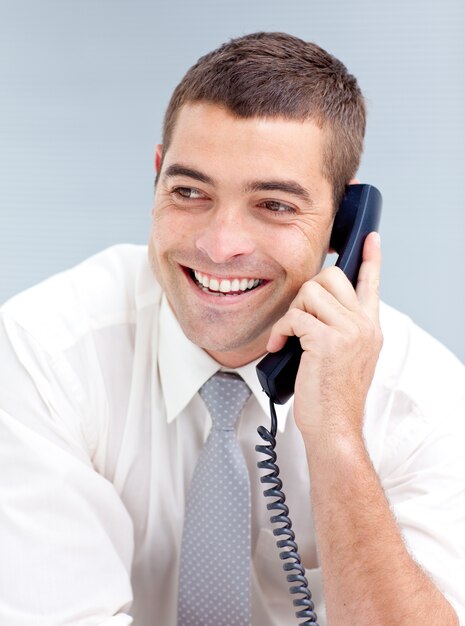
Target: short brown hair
(278,75)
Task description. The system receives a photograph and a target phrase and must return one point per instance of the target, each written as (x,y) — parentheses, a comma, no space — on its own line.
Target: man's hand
(340,334)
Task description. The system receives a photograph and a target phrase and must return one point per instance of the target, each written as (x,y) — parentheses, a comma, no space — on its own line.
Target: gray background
(84,85)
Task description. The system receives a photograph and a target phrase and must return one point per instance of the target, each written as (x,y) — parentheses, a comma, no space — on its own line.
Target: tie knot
(225,395)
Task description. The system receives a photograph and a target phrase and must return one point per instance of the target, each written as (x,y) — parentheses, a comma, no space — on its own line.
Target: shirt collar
(184,368)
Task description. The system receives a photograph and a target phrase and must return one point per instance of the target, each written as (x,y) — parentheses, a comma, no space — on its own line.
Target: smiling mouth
(218,286)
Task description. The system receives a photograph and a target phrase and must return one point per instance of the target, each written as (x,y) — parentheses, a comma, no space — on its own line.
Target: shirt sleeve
(66,539)
(415,433)
(427,495)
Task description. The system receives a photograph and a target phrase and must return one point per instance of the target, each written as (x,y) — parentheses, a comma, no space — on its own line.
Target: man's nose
(226,234)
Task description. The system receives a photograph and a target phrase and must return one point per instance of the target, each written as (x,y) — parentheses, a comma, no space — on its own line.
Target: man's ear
(158,158)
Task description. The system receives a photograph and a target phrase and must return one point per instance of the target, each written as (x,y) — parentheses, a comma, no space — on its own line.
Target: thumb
(369,275)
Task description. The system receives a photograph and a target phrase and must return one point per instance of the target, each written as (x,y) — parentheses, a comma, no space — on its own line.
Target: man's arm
(369,577)
(66,539)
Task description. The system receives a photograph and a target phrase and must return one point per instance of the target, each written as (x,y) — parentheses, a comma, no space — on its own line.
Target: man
(102,423)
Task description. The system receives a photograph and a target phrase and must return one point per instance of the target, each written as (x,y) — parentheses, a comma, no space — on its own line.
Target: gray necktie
(214,579)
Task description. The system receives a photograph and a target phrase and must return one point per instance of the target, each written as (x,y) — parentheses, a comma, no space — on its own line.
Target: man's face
(241,219)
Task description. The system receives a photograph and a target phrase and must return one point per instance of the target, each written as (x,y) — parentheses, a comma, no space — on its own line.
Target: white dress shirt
(101,425)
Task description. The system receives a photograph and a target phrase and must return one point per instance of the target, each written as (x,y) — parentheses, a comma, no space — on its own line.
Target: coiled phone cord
(272,478)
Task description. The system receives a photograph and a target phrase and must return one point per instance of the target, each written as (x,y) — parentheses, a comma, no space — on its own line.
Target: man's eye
(189,193)
(278,207)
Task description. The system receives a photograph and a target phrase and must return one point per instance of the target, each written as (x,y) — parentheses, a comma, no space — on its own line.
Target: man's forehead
(208,137)
(193,115)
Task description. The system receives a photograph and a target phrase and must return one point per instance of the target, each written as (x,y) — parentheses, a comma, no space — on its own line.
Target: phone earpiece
(345,217)
(358,215)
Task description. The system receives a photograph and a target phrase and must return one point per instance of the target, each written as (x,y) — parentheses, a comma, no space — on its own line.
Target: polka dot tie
(214,579)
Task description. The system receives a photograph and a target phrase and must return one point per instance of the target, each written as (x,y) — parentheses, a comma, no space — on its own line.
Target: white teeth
(226,285)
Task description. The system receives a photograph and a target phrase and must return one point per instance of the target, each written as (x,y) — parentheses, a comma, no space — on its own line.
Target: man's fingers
(329,302)
(335,282)
(369,275)
(295,322)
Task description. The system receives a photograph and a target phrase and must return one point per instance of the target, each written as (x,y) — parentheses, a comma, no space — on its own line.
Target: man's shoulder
(415,364)
(107,288)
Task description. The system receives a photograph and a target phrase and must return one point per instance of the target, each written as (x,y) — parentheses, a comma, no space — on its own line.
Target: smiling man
(238,231)
(104,423)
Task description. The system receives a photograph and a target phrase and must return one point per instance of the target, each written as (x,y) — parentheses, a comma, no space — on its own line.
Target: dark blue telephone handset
(357,216)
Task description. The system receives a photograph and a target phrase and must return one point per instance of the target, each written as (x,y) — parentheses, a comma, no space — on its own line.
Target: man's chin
(232,350)
(222,333)
(221,347)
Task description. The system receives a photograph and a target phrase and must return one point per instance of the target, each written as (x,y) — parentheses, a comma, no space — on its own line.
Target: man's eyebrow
(288,186)
(176,169)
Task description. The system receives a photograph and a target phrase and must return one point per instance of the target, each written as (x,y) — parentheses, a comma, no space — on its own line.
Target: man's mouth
(215,285)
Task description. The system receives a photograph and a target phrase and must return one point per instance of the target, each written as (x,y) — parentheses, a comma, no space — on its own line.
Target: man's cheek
(155,261)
